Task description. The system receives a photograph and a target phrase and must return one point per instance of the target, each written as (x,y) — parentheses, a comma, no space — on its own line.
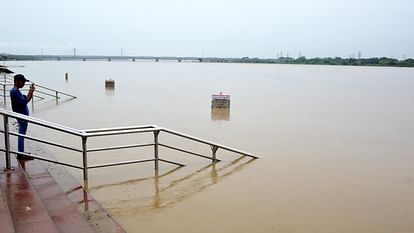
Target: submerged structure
(110,84)
(220,101)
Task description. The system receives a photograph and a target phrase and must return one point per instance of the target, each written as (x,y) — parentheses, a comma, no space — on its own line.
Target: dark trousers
(22,130)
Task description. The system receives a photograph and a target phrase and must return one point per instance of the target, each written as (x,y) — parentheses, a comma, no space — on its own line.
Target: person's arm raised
(30,93)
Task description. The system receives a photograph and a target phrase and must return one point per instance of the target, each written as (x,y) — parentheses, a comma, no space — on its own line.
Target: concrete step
(65,214)
(36,203)
(26,208)
(6,221)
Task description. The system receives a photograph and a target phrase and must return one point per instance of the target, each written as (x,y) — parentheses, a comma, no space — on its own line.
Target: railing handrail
(40,122)
(207,142)
(50,89)
(152,128)
(117,131)
(100,130)
(85,134)
(10,83)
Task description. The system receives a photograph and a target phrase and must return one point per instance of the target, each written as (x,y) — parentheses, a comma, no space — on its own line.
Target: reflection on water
(109,91)
(132,182)
(171,192)
(220,114)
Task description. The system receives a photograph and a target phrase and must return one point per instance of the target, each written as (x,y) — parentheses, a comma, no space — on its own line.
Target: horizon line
(198,57)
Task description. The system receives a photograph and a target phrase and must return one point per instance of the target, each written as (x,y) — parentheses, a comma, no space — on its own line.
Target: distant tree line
(375,61)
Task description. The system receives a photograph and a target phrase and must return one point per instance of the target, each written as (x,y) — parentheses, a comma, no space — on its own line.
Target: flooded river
(336,144)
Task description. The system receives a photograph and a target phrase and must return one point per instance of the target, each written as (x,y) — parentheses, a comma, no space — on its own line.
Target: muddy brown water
(336,144)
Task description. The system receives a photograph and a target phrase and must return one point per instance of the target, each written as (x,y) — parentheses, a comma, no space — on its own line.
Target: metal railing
(84,135)
(41,91)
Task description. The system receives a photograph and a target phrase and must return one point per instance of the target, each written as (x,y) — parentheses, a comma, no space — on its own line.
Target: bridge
(12,57)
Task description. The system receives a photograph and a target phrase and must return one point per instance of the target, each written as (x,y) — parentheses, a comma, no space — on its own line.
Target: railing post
(214,150)
(7,141)
(4,90)
(57,97)
(85,172)
(4,94)
(85,159)
(156,133)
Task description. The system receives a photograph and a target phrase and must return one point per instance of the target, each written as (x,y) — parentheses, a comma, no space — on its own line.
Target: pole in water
(66,76)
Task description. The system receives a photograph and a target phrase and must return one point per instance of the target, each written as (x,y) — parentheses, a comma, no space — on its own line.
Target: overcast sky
(221,28)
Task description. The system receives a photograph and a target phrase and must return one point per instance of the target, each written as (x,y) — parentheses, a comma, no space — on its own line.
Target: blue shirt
(19,101)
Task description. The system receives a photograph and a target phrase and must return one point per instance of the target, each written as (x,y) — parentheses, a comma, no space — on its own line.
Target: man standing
(19,105)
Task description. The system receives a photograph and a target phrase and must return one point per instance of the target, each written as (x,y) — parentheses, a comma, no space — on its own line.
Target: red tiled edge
(63,212)
(26,208)
(95,215)
(6,221)
(71,200)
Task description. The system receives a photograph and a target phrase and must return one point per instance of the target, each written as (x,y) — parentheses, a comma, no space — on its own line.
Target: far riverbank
(374,61)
